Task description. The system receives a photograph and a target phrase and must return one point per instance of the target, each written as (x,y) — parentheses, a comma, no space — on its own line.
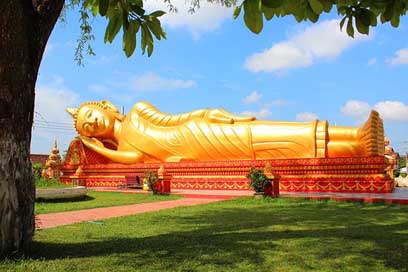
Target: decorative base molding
(356,174)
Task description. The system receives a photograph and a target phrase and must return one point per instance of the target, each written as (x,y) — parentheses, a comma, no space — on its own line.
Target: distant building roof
(38,158)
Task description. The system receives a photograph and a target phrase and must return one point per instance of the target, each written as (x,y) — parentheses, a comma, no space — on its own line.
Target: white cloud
(388,110)
(320,41)
(252,98)
(306,116)
(392,110)
(50,119)
(372,61)
(207,18)
(153,82)
(356,109)
(261,114)
(400,58)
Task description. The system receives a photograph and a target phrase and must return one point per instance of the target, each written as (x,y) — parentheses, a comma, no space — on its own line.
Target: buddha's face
(93,121)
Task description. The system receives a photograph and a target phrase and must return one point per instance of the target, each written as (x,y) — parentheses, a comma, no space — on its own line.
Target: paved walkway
(50,220)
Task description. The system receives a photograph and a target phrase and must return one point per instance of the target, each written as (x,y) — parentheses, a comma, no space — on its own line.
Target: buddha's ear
(109,105)
(73,112)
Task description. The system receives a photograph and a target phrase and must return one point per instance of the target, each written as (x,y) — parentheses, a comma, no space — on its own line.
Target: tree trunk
(25,26)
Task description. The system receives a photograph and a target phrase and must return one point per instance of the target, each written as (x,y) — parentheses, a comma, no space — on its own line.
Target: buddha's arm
(224,117)
(156,117)
(126,157)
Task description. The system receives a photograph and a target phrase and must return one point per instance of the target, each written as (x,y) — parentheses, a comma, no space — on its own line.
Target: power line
(53,128)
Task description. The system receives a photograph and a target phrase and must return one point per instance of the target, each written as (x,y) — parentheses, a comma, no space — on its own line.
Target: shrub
(37,168)
(258,179)
(404,175)
(48,183)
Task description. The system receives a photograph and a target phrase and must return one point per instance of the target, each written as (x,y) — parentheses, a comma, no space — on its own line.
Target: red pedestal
(275,184)
(352,175)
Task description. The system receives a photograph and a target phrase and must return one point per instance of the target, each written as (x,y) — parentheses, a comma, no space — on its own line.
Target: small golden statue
(147,135)
(54,163)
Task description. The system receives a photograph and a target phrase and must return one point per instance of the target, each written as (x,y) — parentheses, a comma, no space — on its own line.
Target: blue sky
(293,72)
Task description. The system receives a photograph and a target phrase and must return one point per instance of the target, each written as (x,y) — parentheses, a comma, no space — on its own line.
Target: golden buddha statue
(147,135)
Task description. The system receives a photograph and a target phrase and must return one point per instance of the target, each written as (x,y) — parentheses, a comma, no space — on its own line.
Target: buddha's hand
(92,143)
(222,116)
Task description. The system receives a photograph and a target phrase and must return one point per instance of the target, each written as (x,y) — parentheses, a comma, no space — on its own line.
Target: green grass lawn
(236,235)
(96,200)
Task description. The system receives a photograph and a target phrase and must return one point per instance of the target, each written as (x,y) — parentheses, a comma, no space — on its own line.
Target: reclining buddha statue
(147,135)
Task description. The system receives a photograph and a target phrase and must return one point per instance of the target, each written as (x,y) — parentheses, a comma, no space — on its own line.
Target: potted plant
(258,180)
(152,181)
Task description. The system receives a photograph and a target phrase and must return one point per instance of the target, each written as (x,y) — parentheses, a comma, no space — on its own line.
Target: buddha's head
(95,119)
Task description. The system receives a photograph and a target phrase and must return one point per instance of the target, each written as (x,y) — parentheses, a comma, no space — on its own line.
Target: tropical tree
(25,26)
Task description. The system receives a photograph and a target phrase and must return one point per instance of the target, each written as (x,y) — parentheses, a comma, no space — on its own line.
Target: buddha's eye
(88,114)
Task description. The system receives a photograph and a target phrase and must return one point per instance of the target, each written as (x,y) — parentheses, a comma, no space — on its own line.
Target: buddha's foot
(371,135)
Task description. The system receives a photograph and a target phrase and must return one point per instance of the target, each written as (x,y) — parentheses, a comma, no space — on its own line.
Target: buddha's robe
(194,138)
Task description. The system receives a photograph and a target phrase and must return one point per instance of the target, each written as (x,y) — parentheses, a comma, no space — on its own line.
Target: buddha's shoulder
(141,106)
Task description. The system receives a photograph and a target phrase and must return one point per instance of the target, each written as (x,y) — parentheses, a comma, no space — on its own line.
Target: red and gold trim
(356,174)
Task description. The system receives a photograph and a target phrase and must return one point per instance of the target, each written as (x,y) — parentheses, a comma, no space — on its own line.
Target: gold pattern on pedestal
(268,171)
(147,135)
(54,163)
(74,158)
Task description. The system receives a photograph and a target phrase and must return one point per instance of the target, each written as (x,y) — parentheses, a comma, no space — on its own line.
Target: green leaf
(136,2)
(129,37)
(297,9)
(143,35)
(103,7)
(395,20)
(157,13)
(313,17)
(350,29)
(365,16)
(272,3)
(342,22)
(138,10)
(147,40)
(237,11)
(396,11)
(125,20)
(316,6)
(327,5)
(373,19)
(253,15)
(387,14)
(268,12)
(113,27)
(361,26)
(94,8)
(155,27)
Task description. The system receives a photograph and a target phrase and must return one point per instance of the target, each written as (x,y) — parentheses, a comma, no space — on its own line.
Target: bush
(48,183)
(258,179)
(152,178)
(404,175)
(37,169)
